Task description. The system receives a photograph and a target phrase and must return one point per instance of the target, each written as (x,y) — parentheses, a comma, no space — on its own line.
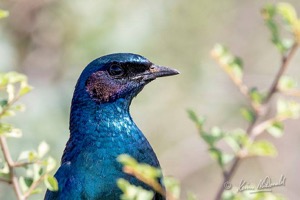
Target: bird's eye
(116,70)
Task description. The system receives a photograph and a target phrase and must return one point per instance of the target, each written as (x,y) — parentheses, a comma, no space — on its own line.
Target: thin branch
(5,180)
(5,151)
(284,64)
(228,176)
(260,128)
(22,164)
(33,186)
(10,163)
(155,185)
(8,105)
(138,175)
(292,92)
(239,83)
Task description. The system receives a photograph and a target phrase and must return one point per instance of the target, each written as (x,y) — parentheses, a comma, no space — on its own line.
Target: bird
(101,128)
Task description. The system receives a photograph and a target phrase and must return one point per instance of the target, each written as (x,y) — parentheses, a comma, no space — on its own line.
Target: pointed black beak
(156,71)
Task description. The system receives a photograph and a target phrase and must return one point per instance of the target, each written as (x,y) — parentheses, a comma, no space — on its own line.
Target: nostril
(152,68)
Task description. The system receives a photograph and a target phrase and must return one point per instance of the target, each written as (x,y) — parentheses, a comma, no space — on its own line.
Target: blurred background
(51,41)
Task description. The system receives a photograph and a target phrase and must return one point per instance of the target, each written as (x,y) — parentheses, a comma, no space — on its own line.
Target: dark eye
(116,70)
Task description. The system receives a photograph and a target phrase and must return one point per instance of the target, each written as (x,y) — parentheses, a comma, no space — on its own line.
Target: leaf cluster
(36,165)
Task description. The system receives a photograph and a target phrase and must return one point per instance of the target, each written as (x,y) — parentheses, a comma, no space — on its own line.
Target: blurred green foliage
(14,86)
(243,141)
(149,175)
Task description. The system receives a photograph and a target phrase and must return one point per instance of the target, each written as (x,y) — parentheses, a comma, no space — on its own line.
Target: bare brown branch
(10,163)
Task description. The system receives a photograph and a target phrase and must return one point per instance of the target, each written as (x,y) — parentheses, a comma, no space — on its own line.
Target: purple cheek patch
(102,88)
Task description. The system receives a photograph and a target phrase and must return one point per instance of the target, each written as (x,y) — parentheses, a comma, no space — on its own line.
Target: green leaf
(3,102)
(288,13)
(23,155)
(287,43)
(132,192)
(51,183)
(220,49)
(148,171)
(8,113)
(198,121)
(36,171)
(214,136)
(4,168)
(30,156)
(25,88)
(232,64)
(172,186)
(19,107)
(15,77)
(40,172)
(220,157)
(3,13)
(43,149)
(10,89)
(126,159)
(262,148)
(287,83)
(236,66)
(269,13)
(191,196)
(25,183)
(4,176)
(289,109)
(234,139)
(256,96)
(9,131)
(276,129)
(5,128)
(247,114)
(36,191)
(50,165)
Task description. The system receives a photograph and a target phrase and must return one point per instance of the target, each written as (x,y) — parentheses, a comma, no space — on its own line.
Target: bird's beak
(156,71)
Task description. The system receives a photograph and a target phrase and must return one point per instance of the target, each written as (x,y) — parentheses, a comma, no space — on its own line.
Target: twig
(260,128)
(5,180)
(291,92)
(239,83)
(284,64)
(8,105)
(33,186)
(22,164)
(157,187)
(253,130)
(10,163)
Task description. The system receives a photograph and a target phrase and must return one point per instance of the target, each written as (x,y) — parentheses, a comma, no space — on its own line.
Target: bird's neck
(90,117)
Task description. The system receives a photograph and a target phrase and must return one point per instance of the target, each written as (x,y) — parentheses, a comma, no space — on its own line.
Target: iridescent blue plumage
(101,128)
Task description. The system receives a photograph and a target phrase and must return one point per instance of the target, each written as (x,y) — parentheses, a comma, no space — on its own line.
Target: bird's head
(121,75)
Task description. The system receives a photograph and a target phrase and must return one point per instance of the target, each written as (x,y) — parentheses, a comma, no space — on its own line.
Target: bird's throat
(90,117)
